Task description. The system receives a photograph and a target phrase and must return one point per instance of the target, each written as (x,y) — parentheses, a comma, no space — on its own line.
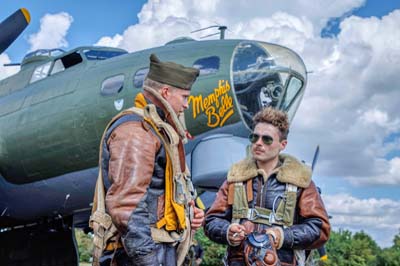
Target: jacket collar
(290,171)
(165,111)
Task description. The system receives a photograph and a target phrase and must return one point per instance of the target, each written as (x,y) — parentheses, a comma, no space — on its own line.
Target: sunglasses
(265,138)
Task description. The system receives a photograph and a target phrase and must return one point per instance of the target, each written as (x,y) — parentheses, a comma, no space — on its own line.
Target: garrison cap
(171,73)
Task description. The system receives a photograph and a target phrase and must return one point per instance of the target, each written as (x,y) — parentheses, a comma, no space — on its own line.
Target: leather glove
(277,235)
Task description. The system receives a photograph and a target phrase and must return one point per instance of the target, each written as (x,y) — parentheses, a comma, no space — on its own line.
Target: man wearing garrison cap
(149,191)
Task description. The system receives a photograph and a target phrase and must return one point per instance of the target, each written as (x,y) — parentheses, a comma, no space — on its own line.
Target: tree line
(344,248)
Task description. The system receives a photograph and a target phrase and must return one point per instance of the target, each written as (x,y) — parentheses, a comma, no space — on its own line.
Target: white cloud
(110,41)
(390,176)
(237,11)
(53,29)
(351,104)
(377,217)
(151,34)
(379,118)
(6,71)
(163,20)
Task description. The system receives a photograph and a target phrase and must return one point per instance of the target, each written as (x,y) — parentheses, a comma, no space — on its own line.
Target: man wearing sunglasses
(268,211)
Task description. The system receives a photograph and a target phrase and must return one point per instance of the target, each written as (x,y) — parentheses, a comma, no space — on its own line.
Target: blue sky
(92,19)
(350,107)
(374,8)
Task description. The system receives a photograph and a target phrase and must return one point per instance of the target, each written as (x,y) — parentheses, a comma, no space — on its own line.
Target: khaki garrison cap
(172,74)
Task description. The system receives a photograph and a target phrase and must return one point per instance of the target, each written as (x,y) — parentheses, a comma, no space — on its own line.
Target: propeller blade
(12,27)
(315,159)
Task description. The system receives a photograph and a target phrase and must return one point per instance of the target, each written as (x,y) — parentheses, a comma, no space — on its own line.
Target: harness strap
(287,206)
(240,202)
(100,221)
(283,215)
(179,185)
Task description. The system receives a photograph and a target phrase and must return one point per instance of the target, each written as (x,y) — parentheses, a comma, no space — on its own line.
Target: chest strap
(283,214)
(100,221)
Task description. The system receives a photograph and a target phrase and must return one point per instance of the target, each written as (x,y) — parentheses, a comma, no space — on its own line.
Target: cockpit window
(139,77)
(44,52)
(101,54)
(58,67)
(293,89)
(257,84)
(40,72)
(113,85)
(71,59)
(65,62)
(267,75)
(250,56)
(207,65)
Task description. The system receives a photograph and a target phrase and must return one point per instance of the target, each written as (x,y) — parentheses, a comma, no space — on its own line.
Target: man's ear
(283,144)
(165,92)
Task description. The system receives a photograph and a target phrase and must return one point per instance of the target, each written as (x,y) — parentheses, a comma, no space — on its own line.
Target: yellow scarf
(174,213)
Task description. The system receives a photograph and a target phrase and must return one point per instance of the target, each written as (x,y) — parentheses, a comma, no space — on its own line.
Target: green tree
(85,245)
(213,252)
(391,256)
(344,249)
(366,247)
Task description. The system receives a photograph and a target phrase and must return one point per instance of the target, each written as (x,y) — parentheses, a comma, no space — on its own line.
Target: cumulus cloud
(6,71)
(351,106)
(351,103)
(151,34)
(162,21)
(110,41)
(237,11)
(52,32)
(377,217)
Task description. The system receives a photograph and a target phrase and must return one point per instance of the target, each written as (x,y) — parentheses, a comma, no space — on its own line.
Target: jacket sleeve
(312,229)
(219,216)
(132,150)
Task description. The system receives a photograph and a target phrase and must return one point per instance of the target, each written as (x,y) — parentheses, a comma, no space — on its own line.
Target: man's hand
(198,218)
(198,261)
(236,234)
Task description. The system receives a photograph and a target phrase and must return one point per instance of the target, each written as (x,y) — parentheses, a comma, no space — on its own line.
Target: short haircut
(277,118)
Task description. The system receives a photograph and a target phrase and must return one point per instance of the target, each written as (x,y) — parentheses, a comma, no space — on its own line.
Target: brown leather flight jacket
(310,227)
(133,165)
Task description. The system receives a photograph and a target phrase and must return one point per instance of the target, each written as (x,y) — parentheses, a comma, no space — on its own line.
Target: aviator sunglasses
(265,138)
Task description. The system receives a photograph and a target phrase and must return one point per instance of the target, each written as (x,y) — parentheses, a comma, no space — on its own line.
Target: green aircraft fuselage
(53,112)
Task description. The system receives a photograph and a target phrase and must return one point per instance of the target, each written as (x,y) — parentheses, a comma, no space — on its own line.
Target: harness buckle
(272,218)
(252,214)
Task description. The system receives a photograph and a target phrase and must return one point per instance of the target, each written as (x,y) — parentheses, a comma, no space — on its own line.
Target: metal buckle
(252,214)
(271,218)
(258,240)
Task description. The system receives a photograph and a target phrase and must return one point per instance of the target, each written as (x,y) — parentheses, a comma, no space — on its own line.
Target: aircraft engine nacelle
(212,157)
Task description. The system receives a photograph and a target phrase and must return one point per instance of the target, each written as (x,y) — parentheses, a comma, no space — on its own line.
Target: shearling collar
(170,115)
(290,171)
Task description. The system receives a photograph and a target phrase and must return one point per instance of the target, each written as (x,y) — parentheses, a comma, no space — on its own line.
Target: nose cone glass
(267,75)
